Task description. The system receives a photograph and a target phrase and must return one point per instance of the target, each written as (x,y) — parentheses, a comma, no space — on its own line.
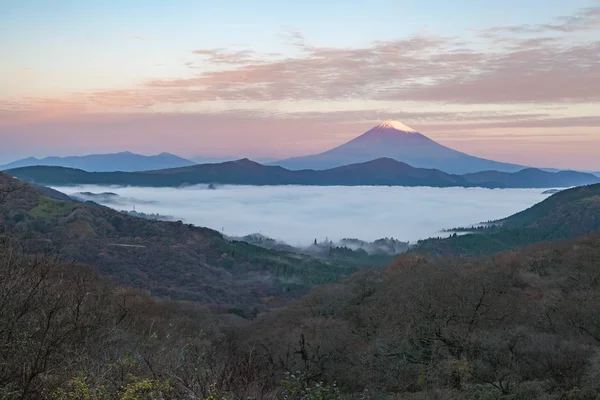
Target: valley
(297,215)
(271,317)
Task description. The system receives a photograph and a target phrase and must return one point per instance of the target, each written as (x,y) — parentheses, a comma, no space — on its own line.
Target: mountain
(216,160)
(532,178)
(246,172)
(211,160)
(383,171)
(125,161)
(166,258)
(564,215)
(395,140)
(386,171)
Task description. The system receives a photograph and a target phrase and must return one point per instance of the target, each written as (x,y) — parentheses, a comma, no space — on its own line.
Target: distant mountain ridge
(379,172)
(393,139)
(210,160)
(530,177)
(216,160)
(124,161)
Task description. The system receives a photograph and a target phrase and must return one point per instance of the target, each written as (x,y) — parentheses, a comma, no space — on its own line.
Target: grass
(49,209)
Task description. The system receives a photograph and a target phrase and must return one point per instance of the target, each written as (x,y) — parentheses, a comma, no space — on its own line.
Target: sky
(299,214)
(513,81)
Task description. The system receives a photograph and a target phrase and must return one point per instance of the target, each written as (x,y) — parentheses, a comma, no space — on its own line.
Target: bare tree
(6,190)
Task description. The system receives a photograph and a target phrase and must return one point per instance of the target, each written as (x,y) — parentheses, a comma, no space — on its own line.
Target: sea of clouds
(300,214)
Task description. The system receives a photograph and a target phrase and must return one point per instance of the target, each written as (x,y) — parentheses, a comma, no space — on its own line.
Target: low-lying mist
(300,214)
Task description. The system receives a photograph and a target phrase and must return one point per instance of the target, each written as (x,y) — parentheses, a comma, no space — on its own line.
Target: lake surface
(299,214)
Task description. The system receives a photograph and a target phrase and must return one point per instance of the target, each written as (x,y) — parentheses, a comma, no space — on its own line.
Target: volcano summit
(393,139)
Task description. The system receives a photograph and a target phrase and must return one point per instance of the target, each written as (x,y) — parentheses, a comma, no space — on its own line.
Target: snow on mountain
(398,141)
(399,126)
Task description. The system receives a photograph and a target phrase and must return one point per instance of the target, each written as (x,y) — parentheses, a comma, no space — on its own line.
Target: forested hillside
(517,325)
(520,325)
(564,215)
(374,172)
(170,259)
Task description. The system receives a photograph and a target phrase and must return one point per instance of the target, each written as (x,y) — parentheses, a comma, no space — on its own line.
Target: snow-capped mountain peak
(395,125)
(394,140)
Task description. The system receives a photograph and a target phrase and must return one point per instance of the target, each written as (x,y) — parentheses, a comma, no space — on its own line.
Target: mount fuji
(393,139)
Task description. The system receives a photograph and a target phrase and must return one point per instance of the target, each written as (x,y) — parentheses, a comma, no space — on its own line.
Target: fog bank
(299,214)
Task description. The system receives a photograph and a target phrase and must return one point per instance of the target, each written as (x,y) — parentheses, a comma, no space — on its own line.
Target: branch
(5,192)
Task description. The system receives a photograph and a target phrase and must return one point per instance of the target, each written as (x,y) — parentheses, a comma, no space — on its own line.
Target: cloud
(297,35)
(524,75)
(448,118)
(263,99)
(583,20)
(320,73)
(528,121)
(300,214)
(224,56)
(510,66)
(587,19)
(138,37)
(291,121)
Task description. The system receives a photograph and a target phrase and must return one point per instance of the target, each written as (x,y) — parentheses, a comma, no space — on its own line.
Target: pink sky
(528,94)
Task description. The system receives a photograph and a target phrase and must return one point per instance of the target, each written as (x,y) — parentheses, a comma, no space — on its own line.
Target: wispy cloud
(418,68)
(224,56)
(497,68)
(583,20)
(136,36)
(526,121)
(509,67)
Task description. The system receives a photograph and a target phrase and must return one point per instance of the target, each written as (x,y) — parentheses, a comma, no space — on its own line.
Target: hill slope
(521,326)
(395,140)
(564,215)
(532,177)
(383,171)
(124,161)
(168,258)
(500,327)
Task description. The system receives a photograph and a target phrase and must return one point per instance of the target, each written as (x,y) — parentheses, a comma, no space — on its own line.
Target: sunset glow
(273,80)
